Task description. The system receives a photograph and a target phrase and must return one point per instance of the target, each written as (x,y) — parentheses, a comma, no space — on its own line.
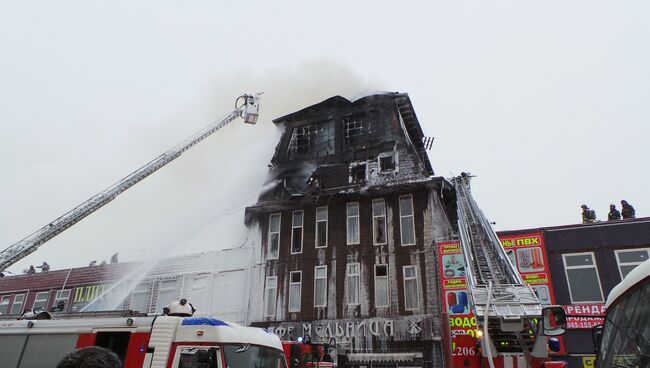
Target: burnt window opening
(358,173)
(356,129)
(314,140)
(387,163)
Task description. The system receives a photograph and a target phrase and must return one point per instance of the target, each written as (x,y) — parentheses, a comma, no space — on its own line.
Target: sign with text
(584,316)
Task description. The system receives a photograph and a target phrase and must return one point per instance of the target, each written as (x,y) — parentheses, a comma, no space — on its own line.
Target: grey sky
(546,102)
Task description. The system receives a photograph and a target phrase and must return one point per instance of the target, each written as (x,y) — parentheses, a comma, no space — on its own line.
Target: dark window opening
(381,270)
(387,163)
(118,342)
(295,276)
(358,173)
(315,140)
(356,130)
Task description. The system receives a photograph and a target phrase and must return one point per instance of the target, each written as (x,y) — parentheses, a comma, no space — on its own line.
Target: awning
(383,357)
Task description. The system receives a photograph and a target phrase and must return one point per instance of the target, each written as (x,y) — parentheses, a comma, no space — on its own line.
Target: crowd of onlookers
(627,212)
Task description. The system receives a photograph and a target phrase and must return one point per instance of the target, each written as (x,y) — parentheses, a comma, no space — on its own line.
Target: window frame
(37,300)
(326,221)
(268,241)
(57,298)
(316,278)
(267,296)
(294,226)
(347,223)
(291,283)
(417,285)
(374,230)
(350,281)
(8,299)
(22,304)
(619,263)
(595,266)
(401,217)
(138,290)
(377,305)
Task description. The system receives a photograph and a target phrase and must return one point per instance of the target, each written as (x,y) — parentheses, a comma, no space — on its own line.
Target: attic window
(387,163)
(355,129)
(358,173)
(314,140)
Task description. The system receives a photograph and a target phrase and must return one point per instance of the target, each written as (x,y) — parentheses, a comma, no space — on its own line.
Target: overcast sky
(546,102)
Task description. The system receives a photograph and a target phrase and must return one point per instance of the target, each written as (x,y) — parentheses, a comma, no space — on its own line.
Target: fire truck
(305,354)
(140,341)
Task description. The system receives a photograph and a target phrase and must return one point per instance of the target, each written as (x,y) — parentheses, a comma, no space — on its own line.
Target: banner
(584,316)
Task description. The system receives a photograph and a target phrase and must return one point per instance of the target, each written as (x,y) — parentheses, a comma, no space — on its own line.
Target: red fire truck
(301,354)
(140,341)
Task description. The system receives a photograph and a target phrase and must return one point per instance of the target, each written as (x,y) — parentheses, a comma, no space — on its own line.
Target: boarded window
(406,220)
(271,295)
(295,286)
(320,286)
(379,221)
(274,236)
(582,276)
(321,227)
(381,285)
(353,282)
(352,223)
(296,231)
(411,298)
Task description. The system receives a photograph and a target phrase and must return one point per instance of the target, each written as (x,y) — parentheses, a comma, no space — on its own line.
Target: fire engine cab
(140,341)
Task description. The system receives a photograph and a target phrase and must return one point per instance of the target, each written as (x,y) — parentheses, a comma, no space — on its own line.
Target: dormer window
(311,141)
(387,163)
(356,129)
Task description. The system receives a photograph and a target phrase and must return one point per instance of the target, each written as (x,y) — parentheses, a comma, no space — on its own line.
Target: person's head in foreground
(90,357)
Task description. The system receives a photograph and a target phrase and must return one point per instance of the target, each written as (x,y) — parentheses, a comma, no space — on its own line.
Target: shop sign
(584,316)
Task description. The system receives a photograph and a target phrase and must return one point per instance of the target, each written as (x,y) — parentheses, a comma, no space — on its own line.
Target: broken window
(274,236)
(387,163)
(358,174)
(295,284)
(381,285)
(296,232)
(379,221)
(321,227)
(353,223)
(356,129)
(310,141)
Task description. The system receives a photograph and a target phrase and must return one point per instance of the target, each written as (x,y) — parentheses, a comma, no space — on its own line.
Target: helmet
(180,308)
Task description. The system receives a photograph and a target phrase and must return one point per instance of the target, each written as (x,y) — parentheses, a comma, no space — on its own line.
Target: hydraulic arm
(246,107)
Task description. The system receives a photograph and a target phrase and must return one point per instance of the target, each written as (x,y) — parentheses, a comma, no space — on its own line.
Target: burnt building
(347,220)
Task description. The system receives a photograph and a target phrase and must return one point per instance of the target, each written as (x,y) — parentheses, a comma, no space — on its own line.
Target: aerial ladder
(507,310)
(246,107)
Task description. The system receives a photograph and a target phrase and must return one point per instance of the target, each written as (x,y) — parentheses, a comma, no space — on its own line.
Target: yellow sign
(589,361)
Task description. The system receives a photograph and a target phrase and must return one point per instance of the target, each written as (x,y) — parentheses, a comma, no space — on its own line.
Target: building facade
(347,222)
(214,282)
(585,262)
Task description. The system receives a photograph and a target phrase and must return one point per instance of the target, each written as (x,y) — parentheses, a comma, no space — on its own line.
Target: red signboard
(585,316)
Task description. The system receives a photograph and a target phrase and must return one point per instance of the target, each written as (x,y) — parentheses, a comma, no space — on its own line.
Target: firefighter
(627,210)
(613,213)
(588,215)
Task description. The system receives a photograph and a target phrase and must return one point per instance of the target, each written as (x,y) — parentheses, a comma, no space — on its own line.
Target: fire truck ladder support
(504,305)
(246,106)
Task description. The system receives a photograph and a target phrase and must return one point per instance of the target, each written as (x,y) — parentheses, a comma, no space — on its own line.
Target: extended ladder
(248,109)
(506,309)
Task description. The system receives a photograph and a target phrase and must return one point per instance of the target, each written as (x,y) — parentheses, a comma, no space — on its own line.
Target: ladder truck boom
(246,107)
(507,310)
